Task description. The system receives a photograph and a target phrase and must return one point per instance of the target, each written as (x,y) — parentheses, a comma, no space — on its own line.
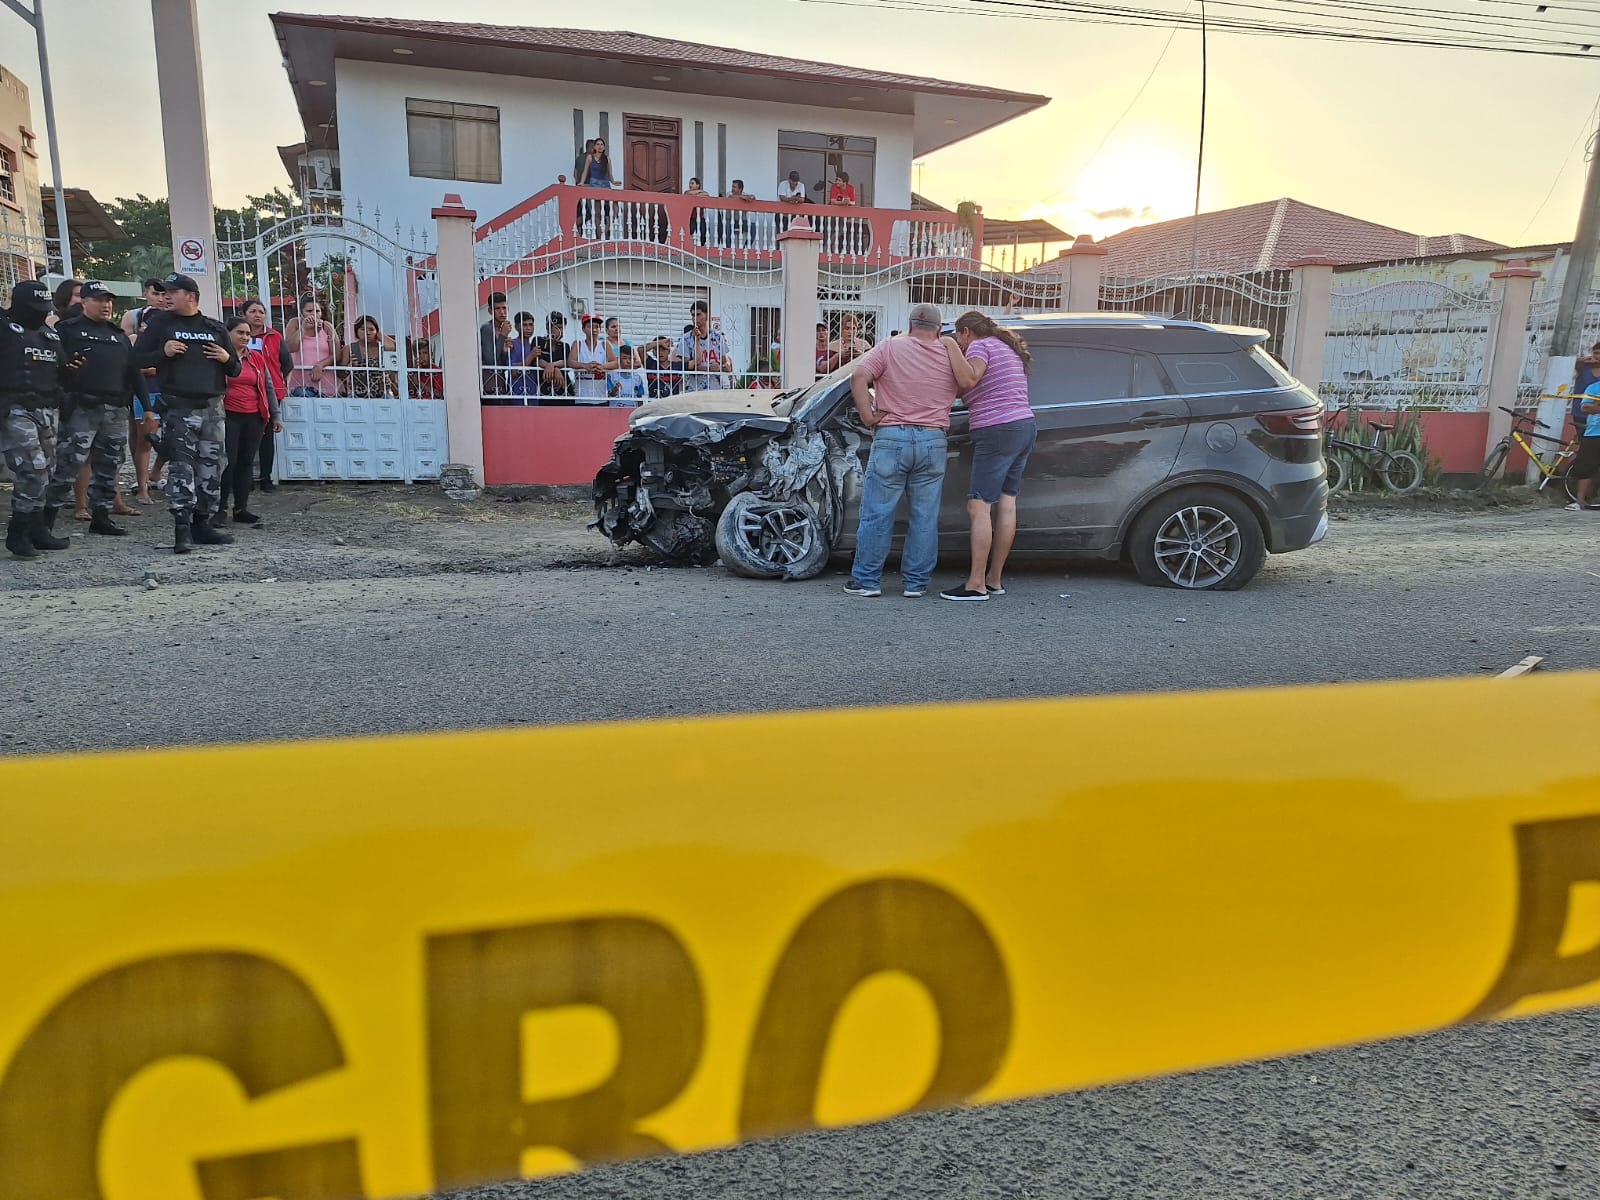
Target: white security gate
(377,421)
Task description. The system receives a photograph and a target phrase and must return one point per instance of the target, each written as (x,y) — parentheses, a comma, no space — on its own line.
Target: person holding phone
(591,359)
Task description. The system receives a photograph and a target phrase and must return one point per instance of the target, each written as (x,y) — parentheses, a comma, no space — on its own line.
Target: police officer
(30,393)
(194,358)
(94,414)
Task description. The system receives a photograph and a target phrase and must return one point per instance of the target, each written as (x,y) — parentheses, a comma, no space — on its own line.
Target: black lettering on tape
(249,1014)
(1551,857)
(481,983)
(326,1171)
(883,925)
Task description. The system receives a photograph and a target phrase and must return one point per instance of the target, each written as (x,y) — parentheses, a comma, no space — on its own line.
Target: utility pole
(183,136)
(64,235)
(1580,266)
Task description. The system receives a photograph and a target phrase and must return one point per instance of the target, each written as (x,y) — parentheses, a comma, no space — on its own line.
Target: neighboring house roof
(86,219)
(946,111)
(998,230)
(1271,235)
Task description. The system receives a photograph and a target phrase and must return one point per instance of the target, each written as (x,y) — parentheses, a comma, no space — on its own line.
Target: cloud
(1126,213)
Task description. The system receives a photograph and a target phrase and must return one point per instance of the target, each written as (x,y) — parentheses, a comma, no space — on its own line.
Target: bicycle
(1398,470)
(1558,467)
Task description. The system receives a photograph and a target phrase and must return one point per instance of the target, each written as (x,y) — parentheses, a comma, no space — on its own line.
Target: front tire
(1402,472)
(1198,539)
(1338,473)
(1492,464)
(760,538)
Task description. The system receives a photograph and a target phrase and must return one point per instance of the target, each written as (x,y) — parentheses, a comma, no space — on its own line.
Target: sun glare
(1125,186)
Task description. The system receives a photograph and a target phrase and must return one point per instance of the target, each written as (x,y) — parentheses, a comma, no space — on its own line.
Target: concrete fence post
(801,249)
(1080,268)
(458,333)
(1508,342)
(1305,330)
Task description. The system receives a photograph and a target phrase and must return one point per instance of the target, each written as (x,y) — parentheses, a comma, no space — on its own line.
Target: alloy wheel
(778,535)
(1198,547)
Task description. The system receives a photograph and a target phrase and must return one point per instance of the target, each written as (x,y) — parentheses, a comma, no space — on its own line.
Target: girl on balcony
(595,172)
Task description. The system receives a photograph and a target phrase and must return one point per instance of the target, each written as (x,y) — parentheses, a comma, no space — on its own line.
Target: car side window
(1203,374)
(1148,379)
(1079,375)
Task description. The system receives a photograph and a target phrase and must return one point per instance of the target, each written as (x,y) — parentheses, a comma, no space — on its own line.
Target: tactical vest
(104,374)
(35,381)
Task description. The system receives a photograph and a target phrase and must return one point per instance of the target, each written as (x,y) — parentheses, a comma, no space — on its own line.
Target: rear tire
(1492,464)
(1199,539)
(1401,472)
(1569,484)
(760,538)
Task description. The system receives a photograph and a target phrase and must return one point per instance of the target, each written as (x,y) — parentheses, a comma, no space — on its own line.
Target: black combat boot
(42,532)
(17,540)
(182,535)
(205,534)
(101,522)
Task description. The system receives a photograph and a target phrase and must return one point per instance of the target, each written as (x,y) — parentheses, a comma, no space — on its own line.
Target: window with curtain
(453,141)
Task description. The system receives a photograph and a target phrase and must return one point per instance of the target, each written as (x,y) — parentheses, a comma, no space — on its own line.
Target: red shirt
(842,191)
(247,391)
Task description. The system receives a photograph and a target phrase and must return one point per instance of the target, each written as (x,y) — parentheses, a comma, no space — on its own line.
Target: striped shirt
(1001,396)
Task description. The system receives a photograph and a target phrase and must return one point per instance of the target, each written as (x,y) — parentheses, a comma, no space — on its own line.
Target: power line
(1200,156)
(1110,14)
(1566,161)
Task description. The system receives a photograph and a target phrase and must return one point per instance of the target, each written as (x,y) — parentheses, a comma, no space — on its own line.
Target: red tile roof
(1270,235)
(643,48)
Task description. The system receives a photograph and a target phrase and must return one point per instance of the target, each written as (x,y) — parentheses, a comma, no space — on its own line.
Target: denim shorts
(999,456)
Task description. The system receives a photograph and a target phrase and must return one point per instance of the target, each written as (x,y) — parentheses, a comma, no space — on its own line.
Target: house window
(28,146)
(453,141)
(819,157)
(8,172)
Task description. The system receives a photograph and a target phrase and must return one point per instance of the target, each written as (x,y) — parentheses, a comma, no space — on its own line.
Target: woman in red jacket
(279,363)
(249,406)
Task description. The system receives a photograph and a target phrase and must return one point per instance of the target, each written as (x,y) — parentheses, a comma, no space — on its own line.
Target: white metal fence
(1201,291)
(366,395)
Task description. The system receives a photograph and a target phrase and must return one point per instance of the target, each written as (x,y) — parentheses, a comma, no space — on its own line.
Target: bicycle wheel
(1492,464)
(1338,472)
(1401,472)
(1569,483)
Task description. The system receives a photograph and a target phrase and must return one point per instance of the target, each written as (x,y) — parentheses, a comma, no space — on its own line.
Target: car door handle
(1154,419)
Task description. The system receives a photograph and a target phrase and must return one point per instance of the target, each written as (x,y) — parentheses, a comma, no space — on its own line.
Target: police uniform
(30,394)
(193,431)
(94,413)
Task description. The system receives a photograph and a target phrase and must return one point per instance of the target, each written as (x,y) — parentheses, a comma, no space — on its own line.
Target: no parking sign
(192,256)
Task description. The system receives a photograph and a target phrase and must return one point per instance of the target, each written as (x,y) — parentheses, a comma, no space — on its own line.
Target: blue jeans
(905,461)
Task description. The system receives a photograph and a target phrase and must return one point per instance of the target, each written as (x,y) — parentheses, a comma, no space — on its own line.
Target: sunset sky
(1431,141)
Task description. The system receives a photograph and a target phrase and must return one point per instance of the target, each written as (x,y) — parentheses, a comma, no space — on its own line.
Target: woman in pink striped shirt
(991,367)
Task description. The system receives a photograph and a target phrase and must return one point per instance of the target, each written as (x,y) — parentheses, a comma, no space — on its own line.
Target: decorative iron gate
(381,416)
(1216,294)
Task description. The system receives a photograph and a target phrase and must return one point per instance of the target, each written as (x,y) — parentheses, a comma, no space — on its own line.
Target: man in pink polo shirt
(909,414)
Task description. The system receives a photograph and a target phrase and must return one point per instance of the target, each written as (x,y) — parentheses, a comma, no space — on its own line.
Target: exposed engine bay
(671,478)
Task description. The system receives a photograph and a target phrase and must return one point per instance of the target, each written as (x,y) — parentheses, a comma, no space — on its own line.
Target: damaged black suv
(1182,447)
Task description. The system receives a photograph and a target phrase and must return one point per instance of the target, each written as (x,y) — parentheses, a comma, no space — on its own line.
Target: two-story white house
(398,114)
(399,111)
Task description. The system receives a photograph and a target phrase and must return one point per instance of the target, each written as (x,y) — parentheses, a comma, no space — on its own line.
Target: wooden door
(653,153)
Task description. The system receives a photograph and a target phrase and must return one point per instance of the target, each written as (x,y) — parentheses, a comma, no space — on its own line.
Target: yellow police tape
(376,968)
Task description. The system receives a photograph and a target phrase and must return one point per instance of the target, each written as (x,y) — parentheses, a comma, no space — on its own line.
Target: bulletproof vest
(104,374)
(33,368)
(190,376)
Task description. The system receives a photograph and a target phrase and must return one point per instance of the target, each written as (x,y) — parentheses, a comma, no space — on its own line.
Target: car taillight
(1292,422)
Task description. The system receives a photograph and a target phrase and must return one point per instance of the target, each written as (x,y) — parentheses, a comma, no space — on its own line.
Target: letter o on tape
(883,925)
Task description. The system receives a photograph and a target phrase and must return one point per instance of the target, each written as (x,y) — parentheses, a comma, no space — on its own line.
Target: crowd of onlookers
(593,169)
(601,367)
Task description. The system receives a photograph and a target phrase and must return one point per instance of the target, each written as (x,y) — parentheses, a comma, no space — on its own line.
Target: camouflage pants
(96,434)
(28,442)
(192,439)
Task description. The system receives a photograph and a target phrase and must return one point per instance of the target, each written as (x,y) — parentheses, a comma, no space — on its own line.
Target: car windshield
(797,404)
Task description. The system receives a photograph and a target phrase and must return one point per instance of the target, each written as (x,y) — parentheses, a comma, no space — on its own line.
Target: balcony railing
(726,229)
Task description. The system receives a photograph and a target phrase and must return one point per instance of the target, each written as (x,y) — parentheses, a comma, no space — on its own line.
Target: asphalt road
(384,610)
